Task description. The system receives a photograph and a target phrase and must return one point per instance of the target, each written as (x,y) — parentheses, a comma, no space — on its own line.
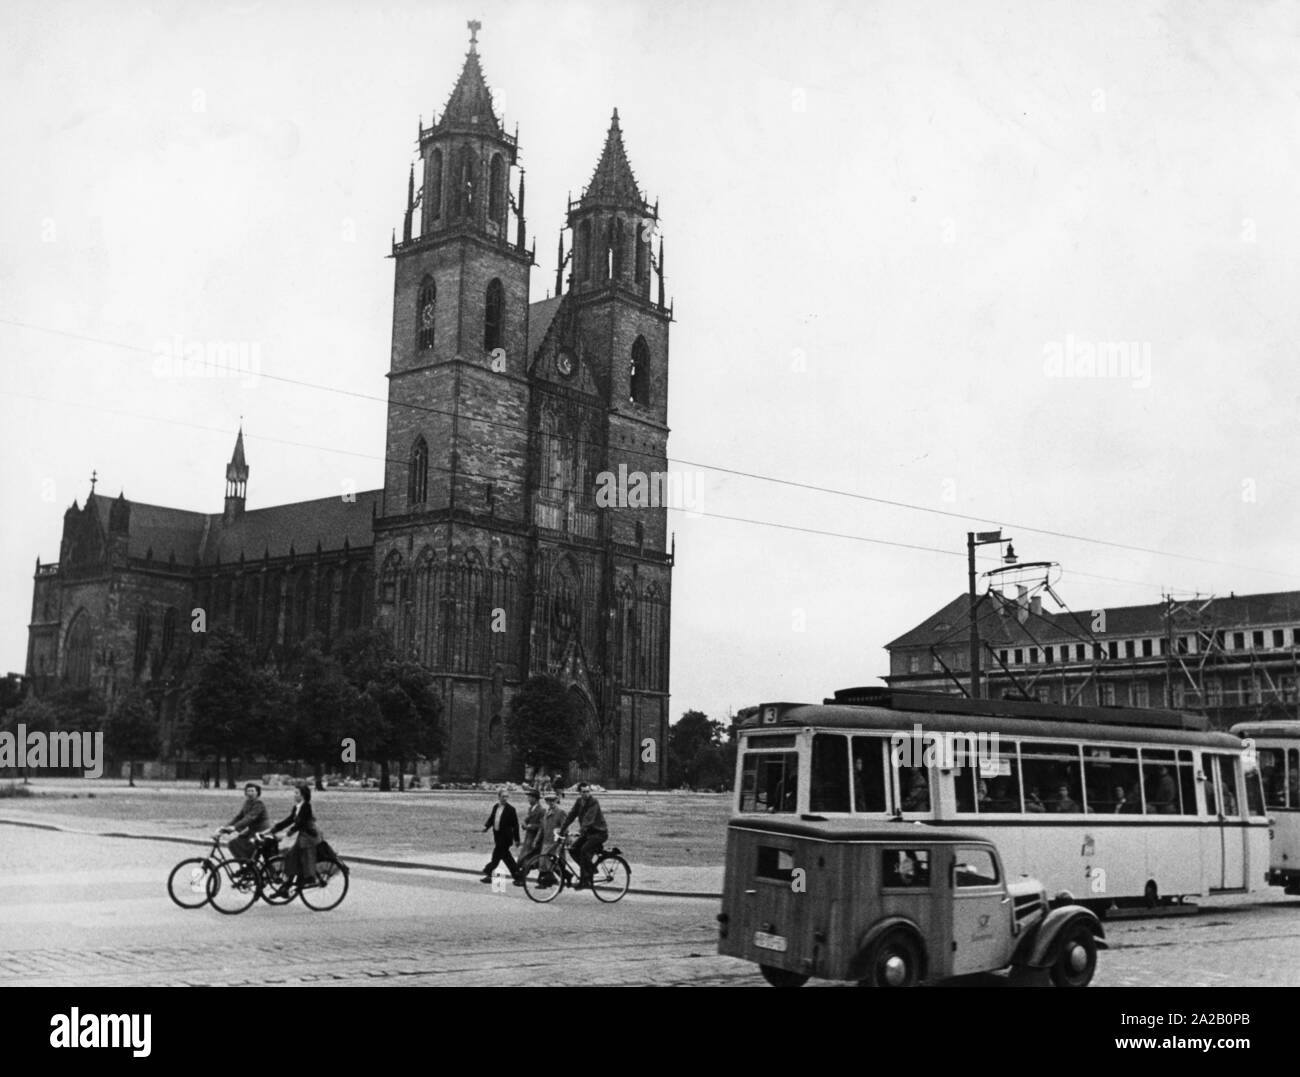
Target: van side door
(981,911)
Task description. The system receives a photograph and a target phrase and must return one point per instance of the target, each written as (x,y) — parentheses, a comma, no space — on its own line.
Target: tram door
(1227,839)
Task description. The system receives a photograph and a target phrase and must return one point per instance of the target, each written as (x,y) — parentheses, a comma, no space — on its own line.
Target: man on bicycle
(552,821)
(251,819)
(592,832)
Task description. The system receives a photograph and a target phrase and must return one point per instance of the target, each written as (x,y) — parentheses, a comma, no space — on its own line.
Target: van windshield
(769,782)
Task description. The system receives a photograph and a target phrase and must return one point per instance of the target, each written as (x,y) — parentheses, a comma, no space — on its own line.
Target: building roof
(162,531)
(327,521)
(540,316)
(949,626)
(613,179)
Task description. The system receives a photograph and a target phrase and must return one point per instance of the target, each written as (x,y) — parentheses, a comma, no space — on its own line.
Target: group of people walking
(545,826)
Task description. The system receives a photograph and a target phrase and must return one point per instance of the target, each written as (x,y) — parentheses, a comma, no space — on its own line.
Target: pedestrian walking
(504,824)
(532,828)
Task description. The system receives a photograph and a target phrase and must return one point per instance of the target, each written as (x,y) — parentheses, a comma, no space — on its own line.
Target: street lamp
(973,539)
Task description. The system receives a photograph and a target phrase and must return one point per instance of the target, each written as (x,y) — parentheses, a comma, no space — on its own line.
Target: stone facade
(487,553)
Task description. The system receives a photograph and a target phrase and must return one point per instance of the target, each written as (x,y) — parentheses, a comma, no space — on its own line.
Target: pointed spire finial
(94,478)
(474,27)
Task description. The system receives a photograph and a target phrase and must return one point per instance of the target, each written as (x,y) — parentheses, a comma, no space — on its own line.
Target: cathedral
(486,554)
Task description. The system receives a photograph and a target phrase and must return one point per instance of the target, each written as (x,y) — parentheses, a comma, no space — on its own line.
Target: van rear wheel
(782,977)
(894,961)
(1077,961)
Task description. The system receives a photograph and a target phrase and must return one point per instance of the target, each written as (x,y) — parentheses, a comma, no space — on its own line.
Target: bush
(13,789)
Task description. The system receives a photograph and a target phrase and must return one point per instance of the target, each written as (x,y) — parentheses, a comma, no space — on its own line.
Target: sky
(898,237)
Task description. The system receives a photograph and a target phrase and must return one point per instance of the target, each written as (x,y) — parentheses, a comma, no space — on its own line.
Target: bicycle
(324,892)
(230,884)
(610,880)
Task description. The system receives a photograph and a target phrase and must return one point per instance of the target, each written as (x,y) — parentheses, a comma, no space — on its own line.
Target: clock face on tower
(564,363)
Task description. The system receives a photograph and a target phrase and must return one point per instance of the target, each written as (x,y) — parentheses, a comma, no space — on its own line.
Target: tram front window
(769,782)
(830,773)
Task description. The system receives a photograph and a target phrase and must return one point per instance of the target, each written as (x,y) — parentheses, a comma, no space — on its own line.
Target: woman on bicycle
(300,861)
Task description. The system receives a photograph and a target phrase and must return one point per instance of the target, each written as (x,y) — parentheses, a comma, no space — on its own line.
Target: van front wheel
(894,961)
(782,977)
(1077,960)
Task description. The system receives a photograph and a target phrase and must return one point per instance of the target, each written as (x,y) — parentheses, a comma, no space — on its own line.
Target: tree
(542,726)
(78,710)
(34,715)
(132,730)
(399,714)
(696,755)
(225,700)
(323,703)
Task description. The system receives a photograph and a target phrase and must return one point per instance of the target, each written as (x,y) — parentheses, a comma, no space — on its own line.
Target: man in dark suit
(504,824)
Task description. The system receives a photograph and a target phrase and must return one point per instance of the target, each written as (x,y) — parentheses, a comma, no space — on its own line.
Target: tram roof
(1282,730)
(856,707)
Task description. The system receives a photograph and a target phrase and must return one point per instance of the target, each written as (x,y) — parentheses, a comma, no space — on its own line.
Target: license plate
(764,941)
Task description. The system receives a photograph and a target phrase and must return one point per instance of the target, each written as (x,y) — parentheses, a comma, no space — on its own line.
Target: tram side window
(989,785)
(1111,780)
(906,867)
(769,782)
(775,864)
(1160,782)
(1272,768)
(869,774)
(1222,767)
(1051,777)
(1254,793)
(913,783)
(830,773)
(1187,781)
(1293,778)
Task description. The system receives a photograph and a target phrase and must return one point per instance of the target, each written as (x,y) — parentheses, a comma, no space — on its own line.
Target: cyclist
(251,819)
(552,822)
(592,832)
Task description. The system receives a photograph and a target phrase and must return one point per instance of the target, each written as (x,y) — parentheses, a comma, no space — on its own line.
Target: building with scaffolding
(1232,659)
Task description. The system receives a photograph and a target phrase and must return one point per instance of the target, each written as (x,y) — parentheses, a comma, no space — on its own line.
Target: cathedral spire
(613,180)
(470,103)
(236,480)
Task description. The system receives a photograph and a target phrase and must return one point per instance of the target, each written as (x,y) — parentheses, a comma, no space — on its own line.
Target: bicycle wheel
(612,877)
(234,886)
(273,877)
(328,888)
(188,883)
(532,882)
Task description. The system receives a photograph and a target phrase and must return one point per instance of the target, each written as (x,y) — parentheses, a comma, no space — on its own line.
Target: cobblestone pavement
(84,910)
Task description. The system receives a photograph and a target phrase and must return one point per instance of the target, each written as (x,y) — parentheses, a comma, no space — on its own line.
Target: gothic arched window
(617,240)
(435,185)
(584,250)
(417,487)
(494,315)
(466,182)
(143,631)
(639,374)
(169,631)
(80,640)
(497,191)
(425,309)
